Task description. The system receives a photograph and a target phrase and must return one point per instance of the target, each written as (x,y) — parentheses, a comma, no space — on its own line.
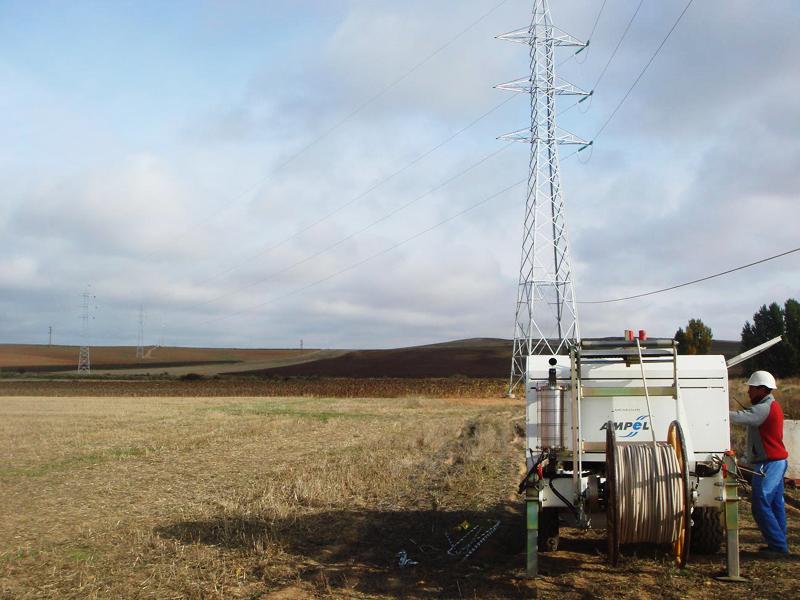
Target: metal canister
(551,415)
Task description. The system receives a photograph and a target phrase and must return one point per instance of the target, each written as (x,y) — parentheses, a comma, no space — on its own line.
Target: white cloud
(696,173)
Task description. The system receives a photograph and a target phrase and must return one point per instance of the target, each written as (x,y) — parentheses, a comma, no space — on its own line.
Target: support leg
(730,497)
(532,526)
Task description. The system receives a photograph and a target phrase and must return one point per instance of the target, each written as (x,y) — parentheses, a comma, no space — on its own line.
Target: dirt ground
(300,497)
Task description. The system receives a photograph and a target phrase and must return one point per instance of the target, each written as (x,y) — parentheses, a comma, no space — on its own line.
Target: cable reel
(648,498)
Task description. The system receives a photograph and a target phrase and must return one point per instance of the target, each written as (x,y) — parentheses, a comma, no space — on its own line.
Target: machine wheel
(548,530)
(682,545)
(708,531)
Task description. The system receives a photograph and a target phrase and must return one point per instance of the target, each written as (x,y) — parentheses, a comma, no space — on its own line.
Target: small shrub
(191,377)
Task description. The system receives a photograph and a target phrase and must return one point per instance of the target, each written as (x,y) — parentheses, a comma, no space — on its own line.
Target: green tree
(769,322)
(696,339)
(791,330)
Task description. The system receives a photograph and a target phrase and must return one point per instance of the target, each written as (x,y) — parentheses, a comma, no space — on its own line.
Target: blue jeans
(768,509)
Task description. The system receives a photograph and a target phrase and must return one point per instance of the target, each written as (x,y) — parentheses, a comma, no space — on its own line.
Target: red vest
(771,432)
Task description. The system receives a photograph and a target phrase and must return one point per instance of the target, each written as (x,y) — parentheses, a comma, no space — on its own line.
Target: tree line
(768,322)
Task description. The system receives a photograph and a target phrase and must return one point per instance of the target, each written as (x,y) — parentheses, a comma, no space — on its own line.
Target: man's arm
(755,415)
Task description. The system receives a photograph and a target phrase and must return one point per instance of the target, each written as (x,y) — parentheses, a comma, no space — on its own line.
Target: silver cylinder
(551,415)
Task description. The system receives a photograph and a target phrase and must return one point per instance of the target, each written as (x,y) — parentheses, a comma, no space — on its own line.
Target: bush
(191,377)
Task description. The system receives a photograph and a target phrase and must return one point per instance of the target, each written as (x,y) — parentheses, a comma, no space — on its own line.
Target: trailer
(628,436)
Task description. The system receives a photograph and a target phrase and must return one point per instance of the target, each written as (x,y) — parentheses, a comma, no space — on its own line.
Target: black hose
(564,500)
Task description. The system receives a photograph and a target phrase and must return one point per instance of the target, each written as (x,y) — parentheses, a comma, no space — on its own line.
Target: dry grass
(292,498)
(336,387)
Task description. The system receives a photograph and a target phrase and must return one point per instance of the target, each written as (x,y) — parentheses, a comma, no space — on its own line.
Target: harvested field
(338,387)
(167,497)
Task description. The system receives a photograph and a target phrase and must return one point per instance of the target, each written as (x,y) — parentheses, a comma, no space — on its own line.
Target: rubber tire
(547,540)
(708,531)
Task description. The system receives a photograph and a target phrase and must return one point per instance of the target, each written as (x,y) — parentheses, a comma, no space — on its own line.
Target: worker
(768,456)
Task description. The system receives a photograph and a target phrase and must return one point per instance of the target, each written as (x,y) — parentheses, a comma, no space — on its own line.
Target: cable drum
(648,500)
(650,494)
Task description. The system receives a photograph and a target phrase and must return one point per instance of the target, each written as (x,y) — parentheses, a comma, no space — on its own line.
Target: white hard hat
(762,378)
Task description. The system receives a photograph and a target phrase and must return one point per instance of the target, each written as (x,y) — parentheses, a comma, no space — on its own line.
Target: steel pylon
(140,337)
(546,319)
(84,359)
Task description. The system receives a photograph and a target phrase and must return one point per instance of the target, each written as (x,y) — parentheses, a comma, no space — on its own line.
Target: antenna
(140,339)
(84,360)
(50,335)
(546,319)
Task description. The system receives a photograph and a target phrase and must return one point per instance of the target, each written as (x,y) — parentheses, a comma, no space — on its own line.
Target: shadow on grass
(351,549)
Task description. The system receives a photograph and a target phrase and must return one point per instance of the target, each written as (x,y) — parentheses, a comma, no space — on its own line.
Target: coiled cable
(650,494)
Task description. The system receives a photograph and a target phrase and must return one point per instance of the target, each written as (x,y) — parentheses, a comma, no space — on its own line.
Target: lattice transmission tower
(140,337)
(84,358)
(546,318)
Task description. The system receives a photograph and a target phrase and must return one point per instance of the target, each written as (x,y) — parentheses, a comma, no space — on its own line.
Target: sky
(253,173)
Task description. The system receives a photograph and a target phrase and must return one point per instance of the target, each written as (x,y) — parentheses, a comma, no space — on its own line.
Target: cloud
(204,211)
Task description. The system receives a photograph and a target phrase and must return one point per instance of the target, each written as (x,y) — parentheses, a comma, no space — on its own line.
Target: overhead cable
(372,188)
(370,257)
(644,69)
(341,122)
(588,38)
(381,252)
(694,281)
(597,19)
(363,194)
(619,43)
(372,224)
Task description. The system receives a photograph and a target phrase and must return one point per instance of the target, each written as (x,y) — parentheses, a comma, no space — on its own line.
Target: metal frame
(546,318)
(84,359)
(722,487)
(730,499)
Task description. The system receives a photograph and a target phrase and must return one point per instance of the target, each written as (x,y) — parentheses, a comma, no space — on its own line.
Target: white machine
(627,435)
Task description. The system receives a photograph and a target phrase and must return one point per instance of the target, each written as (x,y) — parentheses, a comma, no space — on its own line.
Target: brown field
(298,497)
(16,359)
(484,358)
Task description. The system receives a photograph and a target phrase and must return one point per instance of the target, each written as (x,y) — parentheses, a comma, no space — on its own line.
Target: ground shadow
(360,548)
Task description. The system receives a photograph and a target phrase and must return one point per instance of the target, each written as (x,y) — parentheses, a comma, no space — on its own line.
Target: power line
(597,20)
(619,43)
(694,281)
(371,257)
(365,193)
(386,216)
(340,122)
(588,38)
(372,188)
(642,72)
(381,252)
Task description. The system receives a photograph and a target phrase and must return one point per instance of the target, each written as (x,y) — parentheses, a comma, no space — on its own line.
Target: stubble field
(298,497)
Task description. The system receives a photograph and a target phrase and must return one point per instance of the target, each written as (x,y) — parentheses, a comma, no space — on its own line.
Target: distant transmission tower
(84,360)
(140,339)
(546,318)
